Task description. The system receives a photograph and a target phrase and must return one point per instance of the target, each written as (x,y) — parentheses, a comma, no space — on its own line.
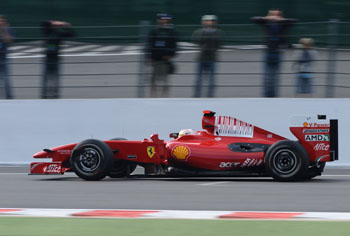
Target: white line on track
(338,186)
(19,55)
(13,173)
(78,48)
(13,166)
(335,176)
(213,183)
(88,54)
(203,184)
(91,55)
(174,214)
(33,50)
(16,48)
(108,48)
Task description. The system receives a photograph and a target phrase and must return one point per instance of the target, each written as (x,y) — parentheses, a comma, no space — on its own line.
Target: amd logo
(317,137)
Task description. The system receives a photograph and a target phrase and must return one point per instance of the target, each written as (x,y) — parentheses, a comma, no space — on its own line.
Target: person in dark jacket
(55,32)
(6,37)
(208,38)
(160,49)
(276,27)
(304,62)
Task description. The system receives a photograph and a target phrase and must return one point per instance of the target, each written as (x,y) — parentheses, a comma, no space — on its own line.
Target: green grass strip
(25,226)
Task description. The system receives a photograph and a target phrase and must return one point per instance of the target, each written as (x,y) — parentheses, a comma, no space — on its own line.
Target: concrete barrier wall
(28,126)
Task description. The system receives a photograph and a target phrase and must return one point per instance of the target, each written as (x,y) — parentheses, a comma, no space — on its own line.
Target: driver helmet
(185,132)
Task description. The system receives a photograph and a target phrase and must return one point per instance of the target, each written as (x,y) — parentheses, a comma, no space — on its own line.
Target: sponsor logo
(315,125)
(229,126)
(315,131)
(321,147)
(250,162)
(53,168)
(317,137)
(68,152)
(228,164)
(181,152)
(150,151)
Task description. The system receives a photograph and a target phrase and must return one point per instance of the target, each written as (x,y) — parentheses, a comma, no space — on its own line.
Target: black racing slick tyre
(287,160)
(121,168)
(92,159)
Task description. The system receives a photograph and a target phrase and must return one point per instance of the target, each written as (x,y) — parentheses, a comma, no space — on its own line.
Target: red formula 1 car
(226,147)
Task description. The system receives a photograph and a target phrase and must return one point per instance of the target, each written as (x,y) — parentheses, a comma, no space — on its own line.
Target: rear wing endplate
(334,147)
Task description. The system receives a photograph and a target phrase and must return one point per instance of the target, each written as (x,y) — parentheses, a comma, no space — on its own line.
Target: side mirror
(173,135)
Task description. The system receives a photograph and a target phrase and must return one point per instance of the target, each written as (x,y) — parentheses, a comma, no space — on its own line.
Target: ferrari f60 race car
(225,147)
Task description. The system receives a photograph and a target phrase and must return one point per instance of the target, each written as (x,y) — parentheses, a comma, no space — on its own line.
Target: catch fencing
(109,61)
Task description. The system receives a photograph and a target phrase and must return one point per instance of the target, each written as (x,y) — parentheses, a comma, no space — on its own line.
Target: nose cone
(41,154)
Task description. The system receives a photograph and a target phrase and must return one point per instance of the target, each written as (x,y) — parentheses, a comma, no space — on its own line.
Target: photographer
(54,32)
(276,28)
(5,39)
(160,49)
(208,38)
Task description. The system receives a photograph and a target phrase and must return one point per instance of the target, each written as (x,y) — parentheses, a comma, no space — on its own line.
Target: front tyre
(92,159)
(287,161)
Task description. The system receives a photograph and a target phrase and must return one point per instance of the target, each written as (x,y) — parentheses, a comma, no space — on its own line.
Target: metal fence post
(333,32)
(143,32)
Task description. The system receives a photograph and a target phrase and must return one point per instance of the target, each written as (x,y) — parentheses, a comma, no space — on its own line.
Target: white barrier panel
(28,126)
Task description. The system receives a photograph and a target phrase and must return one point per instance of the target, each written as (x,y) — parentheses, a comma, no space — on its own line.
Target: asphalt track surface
(116,76)
(329,193)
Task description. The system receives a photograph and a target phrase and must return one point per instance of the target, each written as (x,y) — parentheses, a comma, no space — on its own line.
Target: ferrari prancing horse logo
(150,151)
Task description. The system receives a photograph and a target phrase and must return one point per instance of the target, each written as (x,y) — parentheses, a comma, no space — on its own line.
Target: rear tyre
(121,168)
(92,159)
(287,161)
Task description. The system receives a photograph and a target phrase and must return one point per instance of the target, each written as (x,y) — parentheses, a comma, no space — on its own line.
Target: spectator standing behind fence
(208,39)
(5,39)
(160,49)
(303,62)
(54,32)
(276,27)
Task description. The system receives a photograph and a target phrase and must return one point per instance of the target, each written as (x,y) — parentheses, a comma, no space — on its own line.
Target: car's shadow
(193,179)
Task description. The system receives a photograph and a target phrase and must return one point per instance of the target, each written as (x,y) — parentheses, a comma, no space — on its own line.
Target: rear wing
(318,135)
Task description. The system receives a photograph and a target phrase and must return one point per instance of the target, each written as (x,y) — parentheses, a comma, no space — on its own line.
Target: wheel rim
(89,159)
(285,161)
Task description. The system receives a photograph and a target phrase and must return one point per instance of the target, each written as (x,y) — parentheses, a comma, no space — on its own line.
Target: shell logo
(181,152)
(305,124)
